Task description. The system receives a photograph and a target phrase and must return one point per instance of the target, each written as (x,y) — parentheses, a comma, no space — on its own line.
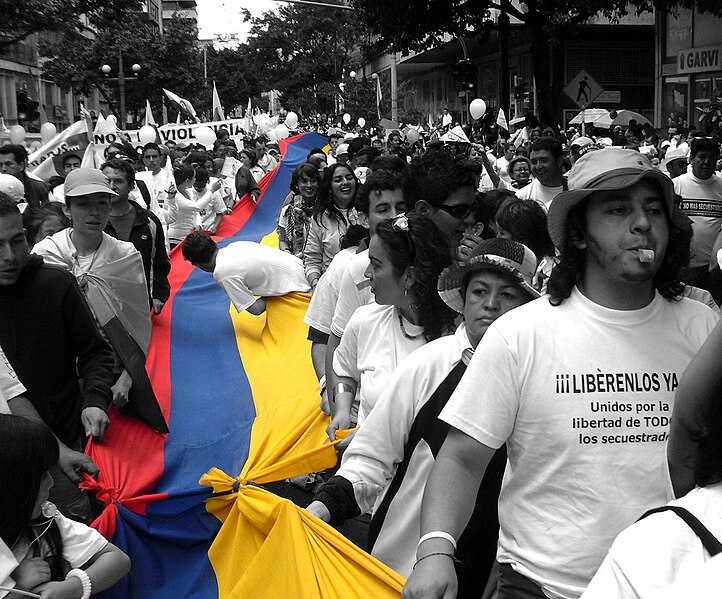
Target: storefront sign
(699,60)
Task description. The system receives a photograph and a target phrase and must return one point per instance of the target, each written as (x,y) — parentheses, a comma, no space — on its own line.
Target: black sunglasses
(461,211)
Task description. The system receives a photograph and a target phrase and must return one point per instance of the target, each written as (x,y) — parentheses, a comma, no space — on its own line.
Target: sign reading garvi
(698,60)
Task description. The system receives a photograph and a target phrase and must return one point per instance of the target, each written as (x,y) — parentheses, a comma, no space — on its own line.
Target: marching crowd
(516,339)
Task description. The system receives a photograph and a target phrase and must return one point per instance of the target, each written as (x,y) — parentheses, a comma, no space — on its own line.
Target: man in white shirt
(246,270)
(579,386)
(446,119)
(157,179)
(701,192)
(212,215)
(265,160)
(546,166)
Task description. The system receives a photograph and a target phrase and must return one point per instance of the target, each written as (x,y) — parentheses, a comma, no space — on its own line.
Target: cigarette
(645,255)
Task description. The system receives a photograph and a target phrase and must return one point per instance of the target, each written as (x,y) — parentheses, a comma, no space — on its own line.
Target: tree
(21,19)
(169,60)
(422,24)
(303,51)
(236,82)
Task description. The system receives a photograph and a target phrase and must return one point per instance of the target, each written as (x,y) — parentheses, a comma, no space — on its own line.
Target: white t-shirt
(245,269)
(583,463)
(702,202)
(371,460)
(655,552)
(539,193)
(10,385)
(371,347)
(355,292)
(325,296)
(158,185)
(208,214)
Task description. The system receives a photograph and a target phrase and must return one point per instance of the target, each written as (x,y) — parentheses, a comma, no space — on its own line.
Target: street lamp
(121,79)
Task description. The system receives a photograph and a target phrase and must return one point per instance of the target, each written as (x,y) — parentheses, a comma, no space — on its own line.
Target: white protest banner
(173,132)
(75,137)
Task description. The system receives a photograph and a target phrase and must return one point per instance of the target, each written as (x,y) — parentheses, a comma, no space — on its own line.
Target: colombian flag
(241,400)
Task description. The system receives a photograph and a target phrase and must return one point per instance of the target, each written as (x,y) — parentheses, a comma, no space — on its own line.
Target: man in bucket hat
(579,386)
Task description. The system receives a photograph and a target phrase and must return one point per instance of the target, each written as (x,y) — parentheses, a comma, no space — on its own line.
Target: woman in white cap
(388,461)
(110,274)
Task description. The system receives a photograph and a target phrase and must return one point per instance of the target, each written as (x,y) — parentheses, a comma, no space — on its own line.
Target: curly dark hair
(570,268)
(526,221)
(426,249)
(28,451)
(434,176)
(325,201)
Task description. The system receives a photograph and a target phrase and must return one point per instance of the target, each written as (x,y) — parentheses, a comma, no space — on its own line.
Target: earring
(412,305)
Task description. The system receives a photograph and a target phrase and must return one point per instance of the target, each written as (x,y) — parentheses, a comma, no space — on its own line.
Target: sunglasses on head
(400,224)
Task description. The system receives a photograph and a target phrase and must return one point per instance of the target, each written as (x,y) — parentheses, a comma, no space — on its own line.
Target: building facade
(688,66)
(619,57)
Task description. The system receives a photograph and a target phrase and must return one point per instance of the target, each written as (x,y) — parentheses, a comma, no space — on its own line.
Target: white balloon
(291,120)
(412,136)
(146,134)
(17,134)
(477,108)
(271,135)
(347,118)
(205,136)
(281,131)
(361,122)
(265,125)
(256,119)
(47,132)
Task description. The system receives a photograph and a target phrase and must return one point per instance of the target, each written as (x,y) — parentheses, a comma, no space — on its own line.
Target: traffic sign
(583,90)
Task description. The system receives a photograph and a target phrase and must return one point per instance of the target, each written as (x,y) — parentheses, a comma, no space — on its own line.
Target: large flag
(75,137)
(217,108)
(181,105)
(240,397)
(149,120)
(501,120)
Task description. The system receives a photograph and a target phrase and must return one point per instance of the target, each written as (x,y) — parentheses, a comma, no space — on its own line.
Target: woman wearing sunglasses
(406,256)
(388,462)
